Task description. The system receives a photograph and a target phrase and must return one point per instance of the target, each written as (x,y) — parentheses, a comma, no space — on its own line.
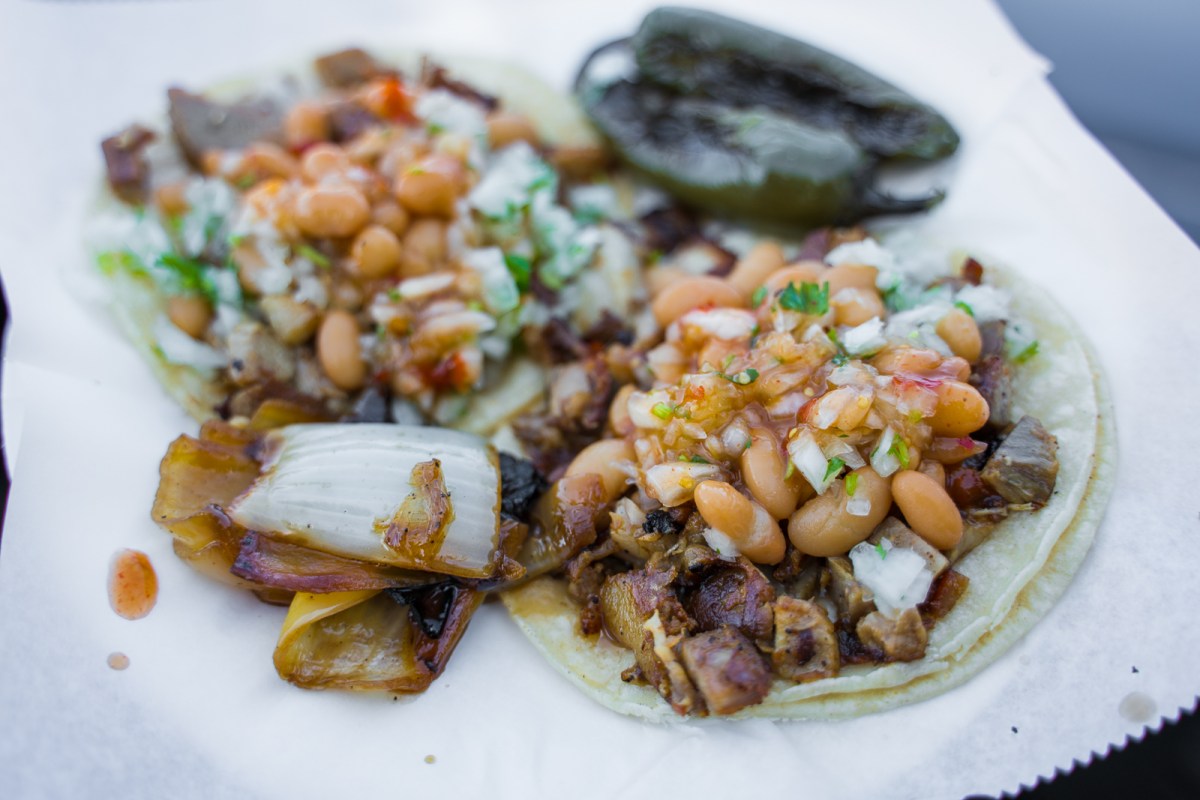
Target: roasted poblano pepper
(744,121)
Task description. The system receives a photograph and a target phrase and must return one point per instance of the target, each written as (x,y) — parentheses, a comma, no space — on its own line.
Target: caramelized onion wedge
(288,566)
(347,490)
(366,640)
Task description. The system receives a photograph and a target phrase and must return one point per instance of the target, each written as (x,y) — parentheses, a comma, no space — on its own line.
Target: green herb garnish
(835,466)
(314,255)
(790,471)
(899,449)
(111,261)
(393,294)
(851,484)
(965,307)
(808,299)
(743,378)
(760,294)
(520,269)
(191,275)
(1029,352)
(661,410)
(696,459)
(879,548)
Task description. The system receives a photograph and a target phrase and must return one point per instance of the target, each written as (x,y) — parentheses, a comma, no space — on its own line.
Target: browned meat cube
(727,669)
(853,600)
(201,125)
(737,595)
(901,638)
(1024,467)
(993,378)
(348,68)
(125,163)
(806,646)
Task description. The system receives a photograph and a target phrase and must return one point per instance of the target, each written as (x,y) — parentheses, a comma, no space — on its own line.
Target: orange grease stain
(132,584)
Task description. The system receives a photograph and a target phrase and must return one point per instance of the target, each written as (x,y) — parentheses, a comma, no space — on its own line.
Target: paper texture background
(201,713)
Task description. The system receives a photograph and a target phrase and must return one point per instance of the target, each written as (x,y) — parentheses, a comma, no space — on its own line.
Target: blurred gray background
(1130,70)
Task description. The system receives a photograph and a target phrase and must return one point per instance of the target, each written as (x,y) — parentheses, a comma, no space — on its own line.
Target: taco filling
(790,492)
(372,244)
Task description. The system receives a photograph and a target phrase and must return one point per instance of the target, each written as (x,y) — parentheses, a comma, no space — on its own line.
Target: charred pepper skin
(781,132)
(702,54)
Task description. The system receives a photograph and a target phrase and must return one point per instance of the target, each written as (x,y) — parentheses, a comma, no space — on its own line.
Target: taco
(857,484)
(373,241)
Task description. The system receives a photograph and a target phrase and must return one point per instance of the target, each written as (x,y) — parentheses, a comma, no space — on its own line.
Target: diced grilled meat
(639,609)
(972,272)
(662,521)
(436,77)
(585,575)
(557,343)
(943,595)
(735,594)
(125,163)
(348,120)
(667,228)
(200,124)
(901,638)
(727,669)
(1024,467)
(806,645)
(348,68)
(853,600)
(992,336)
(993,378)
(900,535)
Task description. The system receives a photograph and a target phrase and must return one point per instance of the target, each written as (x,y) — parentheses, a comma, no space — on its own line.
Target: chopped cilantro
(915,416)
(743,378)
(111,261)
(965,307)
(760,294)
(696,459)
(314,255)
(191,275)
(880,549)
(1029,352)
(520,269)
(835,466)
(246,181)
(661,410)
(727,361)
(808,299)
(394,294)
(851,484)
(237,238)
(653,257)
(899,449)
(841,356)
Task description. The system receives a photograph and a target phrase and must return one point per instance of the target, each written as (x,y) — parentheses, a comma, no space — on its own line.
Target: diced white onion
(672,483)
(806,455)
(867,252)
(859,505)
(721,543)
(883,461)
(898,579)
(178,347)
(425,285)
(988,303)
(452,113)
(728,324)
(864,339)
(500,293)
